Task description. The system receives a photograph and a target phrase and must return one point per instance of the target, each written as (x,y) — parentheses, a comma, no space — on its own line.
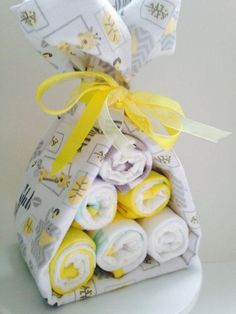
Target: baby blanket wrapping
(98,220)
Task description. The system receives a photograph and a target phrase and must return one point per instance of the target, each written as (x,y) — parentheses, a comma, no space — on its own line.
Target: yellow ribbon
(149,112)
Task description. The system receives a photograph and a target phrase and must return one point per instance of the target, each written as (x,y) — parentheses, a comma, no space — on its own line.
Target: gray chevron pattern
(43,253)
(22,245)
(145,44)
(192,249)
(118,4)
(187,256)
(178,192)
(168,42)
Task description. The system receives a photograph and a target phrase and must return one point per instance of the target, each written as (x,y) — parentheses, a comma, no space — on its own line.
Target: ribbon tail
(203,131)
(175,123)
(112,131)
(80,131)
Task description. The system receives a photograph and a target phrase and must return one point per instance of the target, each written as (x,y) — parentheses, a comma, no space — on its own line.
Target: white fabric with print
(117,37)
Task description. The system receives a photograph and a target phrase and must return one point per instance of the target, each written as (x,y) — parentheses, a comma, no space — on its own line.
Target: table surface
(169,294)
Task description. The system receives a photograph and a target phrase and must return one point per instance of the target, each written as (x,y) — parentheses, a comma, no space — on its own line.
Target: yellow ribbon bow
(149,112)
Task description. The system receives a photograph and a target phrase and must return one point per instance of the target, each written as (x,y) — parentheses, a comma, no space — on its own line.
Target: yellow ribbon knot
(161,118)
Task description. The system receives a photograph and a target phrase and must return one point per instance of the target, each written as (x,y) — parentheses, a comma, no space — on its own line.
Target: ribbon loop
(78,93)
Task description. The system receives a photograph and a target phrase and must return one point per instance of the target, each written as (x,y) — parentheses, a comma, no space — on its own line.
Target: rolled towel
(148,198)
(126,171)
(121,246)
(98,207)
(168,235)
(73,264)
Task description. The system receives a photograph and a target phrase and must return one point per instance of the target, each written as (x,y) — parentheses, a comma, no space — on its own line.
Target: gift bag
(104,202)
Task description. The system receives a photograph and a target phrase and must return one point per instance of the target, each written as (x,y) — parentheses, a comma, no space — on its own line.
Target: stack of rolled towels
(123,217)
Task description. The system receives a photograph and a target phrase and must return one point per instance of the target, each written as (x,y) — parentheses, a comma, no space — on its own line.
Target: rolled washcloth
(168,235)
(148,198)
(125,171)
(121,246)
(98,207)
(74,262)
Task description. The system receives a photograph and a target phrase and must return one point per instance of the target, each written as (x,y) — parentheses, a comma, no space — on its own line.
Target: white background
(201,76)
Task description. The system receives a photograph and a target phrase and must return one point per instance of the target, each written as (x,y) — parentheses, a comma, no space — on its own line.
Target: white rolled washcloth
(98,208)
(168,235)
(125,171)
(121,246)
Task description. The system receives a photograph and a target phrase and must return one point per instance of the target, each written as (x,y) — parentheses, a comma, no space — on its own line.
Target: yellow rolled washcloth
(74,262)
(147,199)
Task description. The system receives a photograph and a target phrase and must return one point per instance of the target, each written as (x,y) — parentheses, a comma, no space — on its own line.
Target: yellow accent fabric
(151,193)
(142,108)
(118,217)
(69,271)
(45,238)
(76,225)
(73,236)
(28,226)
(127,205)
(118,273)
(93,212)
(111,251)
(171,26)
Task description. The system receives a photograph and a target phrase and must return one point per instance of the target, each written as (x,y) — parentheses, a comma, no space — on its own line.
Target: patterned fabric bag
(118,38)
